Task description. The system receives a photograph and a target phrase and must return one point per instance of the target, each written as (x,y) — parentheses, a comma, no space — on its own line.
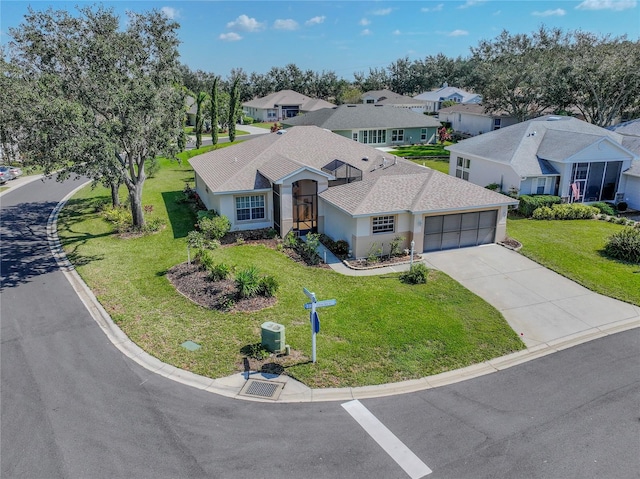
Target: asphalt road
(73,407)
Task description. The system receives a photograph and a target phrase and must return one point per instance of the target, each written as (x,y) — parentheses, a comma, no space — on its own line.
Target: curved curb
(294,391)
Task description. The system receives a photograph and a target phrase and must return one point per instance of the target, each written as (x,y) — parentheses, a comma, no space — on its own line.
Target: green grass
(574,249)
(422,150)
(440,165)
(265,124)
(380,331)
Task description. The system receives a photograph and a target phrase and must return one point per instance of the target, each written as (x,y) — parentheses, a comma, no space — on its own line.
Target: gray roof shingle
(347,117)
(288,97)
(522,145)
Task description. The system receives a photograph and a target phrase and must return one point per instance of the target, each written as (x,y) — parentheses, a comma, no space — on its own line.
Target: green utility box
(273,337)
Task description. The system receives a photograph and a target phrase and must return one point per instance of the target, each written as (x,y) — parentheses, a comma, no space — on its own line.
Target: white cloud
(364,22)
(382,12)
(245,24)
(437,8)
(230,37)
(558,12)
(397,32)
(497,12)
(615,5)
(458,33)
(315,21)
(287,24)
(170,12)
(365,32)
(472,3)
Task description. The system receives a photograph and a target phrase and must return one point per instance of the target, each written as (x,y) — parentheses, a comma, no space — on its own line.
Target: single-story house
(282,105)
(630,131)
(376,125)
(472,119)
(387,97)
(433,99)
(555,155)
(307,179)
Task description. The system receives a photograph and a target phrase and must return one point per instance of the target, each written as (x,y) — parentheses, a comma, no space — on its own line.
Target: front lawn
(574,249)
(422,150)
(380,331)
(440,165)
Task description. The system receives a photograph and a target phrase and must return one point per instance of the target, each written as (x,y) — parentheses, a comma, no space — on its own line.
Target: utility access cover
(262,389)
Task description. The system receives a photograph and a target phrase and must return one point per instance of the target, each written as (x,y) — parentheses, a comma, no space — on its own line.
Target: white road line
(400,453)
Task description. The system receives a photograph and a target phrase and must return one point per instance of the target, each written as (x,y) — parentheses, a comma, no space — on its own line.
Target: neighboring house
(630,131)
(472,119)
(387,97)
(192,110)
(433,99)
(282,105)
(554,155)
(376,125)
(307,179)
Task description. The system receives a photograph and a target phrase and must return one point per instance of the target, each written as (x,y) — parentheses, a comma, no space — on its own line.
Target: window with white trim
(541,184)
(250,207)
(463,165)
(373,136)
(397,135)
(497,123)
(383,224)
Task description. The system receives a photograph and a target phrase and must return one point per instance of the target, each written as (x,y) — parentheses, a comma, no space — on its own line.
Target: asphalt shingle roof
(347,117)
(522,145)
(388,97)
(288,97)
(389,183)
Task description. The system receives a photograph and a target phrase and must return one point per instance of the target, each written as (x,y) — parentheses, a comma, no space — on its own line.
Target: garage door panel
(459,230)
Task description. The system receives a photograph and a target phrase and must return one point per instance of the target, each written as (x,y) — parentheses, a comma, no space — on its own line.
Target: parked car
(5,174)
(15,171)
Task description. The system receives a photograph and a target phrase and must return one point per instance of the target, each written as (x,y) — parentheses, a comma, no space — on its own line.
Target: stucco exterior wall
(483,172)
(630,186)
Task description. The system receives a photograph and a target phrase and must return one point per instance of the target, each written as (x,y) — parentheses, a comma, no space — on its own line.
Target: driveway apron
(540,305)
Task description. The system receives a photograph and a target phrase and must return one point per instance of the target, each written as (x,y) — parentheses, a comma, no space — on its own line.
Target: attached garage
(459,230)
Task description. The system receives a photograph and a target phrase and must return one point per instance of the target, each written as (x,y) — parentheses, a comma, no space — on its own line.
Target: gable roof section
(348,117)
(288,97)
(522,145)
(388,97)
(473,109)
(442,94)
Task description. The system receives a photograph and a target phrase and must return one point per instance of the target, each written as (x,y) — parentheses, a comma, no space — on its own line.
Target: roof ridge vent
(554,118)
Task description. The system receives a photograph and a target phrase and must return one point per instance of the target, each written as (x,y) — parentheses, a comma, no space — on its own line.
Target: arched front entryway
(305,206)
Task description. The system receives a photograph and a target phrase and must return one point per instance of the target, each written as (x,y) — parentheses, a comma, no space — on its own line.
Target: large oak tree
(103,100)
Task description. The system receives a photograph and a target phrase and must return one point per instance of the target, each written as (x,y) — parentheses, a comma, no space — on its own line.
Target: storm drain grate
(262,389)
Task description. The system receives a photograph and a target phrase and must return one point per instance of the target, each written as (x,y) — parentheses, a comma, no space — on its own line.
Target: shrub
(493,186)
(247,120)
(604,208)
(220,271)
(271,233)
(205,258)
(196,239)
(373,255)
(341,248)
(309,249)
(120,217)
(528,204)
(624,245)
(396,246)
(417,274)
(573,211)
(214,228)
(268,286)
(290,240)
(153,225)
(248,282)
(543,213)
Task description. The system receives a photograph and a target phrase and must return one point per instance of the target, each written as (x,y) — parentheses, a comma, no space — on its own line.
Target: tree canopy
(101,101)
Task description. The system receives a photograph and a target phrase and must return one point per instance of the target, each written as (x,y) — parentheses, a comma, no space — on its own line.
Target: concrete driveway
(540,305)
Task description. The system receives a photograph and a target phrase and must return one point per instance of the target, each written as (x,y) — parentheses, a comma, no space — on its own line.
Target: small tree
(201,98)
(233,109)
(214,111)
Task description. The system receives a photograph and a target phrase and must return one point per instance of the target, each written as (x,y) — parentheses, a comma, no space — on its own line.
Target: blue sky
(348,36)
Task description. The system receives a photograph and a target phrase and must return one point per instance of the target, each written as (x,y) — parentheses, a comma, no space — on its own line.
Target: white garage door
(459,230)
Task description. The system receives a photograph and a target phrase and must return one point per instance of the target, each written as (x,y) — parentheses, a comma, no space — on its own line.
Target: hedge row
(568,211)
(528,204)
